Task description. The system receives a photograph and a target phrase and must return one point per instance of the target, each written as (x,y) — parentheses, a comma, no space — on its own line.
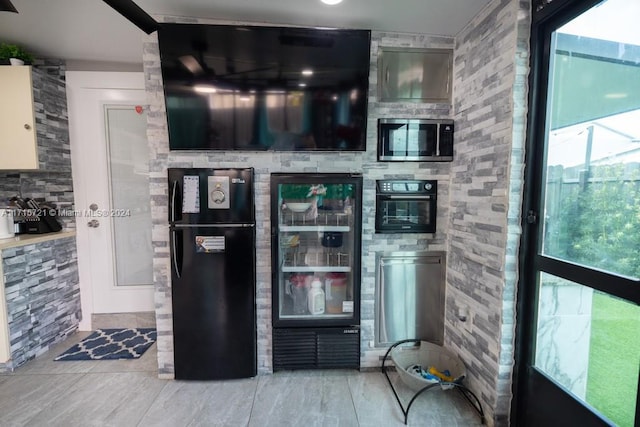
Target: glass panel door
(317,250)
(589,342)
(585,339)
(128,159)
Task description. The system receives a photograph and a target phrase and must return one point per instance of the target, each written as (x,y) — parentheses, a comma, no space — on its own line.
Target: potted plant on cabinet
(14,54)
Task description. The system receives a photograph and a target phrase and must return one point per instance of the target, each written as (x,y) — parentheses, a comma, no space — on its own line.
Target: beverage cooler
(316,227)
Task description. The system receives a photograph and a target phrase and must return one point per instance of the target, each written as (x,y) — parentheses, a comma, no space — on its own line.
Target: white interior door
(110,159)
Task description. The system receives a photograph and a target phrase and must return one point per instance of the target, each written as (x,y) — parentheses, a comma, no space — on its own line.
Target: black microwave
(417,140)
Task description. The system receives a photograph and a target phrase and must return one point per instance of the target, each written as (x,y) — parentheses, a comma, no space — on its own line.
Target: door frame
(527,380)
(77,82)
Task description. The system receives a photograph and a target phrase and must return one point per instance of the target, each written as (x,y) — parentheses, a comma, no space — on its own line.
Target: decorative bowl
(298,207)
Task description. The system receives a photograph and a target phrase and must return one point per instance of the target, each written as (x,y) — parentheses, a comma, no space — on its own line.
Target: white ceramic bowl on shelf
(298,207)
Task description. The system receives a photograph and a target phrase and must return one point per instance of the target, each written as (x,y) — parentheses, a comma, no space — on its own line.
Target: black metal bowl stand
(468,394)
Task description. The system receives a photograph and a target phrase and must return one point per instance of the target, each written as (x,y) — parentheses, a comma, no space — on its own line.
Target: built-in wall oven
(406,206)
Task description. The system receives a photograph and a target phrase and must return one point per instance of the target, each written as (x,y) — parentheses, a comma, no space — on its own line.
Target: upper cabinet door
(18,147)
(417,75)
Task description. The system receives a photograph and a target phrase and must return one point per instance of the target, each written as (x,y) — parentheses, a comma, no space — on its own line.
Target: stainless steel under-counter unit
(410,297)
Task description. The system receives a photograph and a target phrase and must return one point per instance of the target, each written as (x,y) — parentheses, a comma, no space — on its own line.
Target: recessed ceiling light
(307,72)
(331,2)
(302,84)
(204,89)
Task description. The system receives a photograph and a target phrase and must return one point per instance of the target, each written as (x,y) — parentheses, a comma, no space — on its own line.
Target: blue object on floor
(109,344)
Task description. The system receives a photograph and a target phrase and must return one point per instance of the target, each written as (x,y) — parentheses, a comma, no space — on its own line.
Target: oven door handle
(386,197)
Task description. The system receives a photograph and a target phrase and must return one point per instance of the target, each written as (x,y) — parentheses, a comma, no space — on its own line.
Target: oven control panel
(402,186)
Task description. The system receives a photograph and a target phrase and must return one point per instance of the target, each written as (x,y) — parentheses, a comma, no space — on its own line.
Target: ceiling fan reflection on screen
(214,71)
(231,79)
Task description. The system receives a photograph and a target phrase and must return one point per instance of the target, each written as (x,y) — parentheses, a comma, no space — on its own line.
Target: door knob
(94,223)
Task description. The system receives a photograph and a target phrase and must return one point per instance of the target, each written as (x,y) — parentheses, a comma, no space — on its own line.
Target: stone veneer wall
(41,280)
(266,163)
(490,105)
(42,292)
(53,182)
(479,196)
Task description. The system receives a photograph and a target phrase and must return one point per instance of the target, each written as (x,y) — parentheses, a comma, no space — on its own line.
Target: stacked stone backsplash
(490,106)
(43,297)
(265,164)
(41,282)
(53,181)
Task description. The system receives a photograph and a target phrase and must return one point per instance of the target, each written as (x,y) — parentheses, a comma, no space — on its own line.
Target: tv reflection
(276,121)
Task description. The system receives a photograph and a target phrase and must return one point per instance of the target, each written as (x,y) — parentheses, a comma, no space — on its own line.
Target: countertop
(30,239)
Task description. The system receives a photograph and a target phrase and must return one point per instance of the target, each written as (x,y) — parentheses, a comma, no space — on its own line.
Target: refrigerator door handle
(174,190)
(404,197)
(382,321)
(174,254)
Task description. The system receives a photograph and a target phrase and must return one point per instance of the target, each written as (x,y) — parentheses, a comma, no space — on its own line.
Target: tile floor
(128,393)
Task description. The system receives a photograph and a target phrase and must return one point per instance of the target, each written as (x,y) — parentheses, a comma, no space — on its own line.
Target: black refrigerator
(212,239)
(316,231)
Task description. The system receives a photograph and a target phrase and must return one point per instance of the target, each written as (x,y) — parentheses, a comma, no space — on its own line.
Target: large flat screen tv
(256,88)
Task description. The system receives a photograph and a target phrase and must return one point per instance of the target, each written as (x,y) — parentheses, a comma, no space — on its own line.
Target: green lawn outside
(614,358)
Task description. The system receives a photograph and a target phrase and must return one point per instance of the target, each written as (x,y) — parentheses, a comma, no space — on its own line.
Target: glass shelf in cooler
(302,228)
(323,269)
(295,260)
(321,219)
(316,316)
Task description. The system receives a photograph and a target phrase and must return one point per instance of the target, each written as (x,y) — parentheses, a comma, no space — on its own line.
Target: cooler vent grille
(339,351)
(310,349)
(293,349)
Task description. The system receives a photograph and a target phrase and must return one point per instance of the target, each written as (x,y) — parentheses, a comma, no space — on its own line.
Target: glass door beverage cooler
(316,228)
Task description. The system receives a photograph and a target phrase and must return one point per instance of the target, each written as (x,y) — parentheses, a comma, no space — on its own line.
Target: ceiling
(89,30)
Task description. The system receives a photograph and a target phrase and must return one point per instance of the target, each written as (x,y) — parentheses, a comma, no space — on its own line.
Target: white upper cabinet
(18,140)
